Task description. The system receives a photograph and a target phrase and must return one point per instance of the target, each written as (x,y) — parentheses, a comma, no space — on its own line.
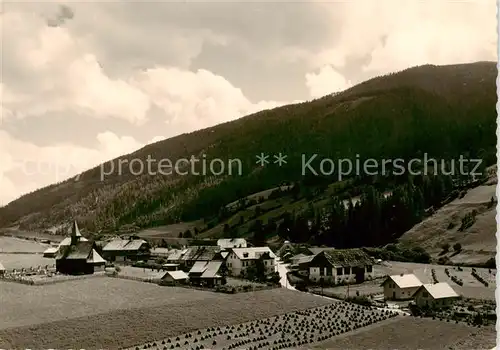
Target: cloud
(144,70)
(26,167)
(397,34)
(326,81)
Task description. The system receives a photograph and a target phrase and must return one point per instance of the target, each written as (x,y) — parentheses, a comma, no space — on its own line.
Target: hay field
(113,313)
(289,330)
(14,245)
(18,261)
(411,333)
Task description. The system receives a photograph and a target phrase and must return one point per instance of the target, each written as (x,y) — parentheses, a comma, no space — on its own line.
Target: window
(339,271)
(329,271)
(347,270)
(369,268)
(321,271)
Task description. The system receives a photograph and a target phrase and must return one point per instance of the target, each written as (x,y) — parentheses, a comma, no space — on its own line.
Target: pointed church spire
(75,231)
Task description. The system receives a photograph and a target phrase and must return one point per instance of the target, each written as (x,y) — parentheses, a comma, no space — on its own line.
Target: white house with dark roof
(207,272)
(401,287)
(435,295)
(340,266)
(241,258)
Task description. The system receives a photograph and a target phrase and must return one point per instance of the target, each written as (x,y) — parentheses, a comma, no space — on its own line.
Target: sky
(85,81)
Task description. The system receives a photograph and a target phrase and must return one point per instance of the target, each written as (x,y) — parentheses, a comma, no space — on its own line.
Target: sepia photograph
(248,175)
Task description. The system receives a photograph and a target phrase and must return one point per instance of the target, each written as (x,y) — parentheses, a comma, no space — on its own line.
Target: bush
(360,300)
(479,278)
(457,247)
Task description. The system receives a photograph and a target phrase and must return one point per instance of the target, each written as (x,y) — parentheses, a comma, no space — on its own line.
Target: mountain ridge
(369,118)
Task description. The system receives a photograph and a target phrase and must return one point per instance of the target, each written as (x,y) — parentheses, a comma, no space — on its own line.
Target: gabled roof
(2,268)
(317,250)
(252,253)
(198,267)
(176,254)
(212,269)
(226,243)
(51,250)
(82,250)
(305,260)
(124,245)
(404,281)
(206,269)
(298,256)
(67,241)
(439,290)
(346,257)
(95,258)
(177,275)
(160,251)
(204,253)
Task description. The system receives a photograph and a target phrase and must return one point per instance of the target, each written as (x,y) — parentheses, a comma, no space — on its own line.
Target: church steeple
(75,233)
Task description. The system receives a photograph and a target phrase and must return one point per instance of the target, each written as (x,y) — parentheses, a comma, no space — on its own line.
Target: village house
(160,253)
(340,266)
(207,273)
(300,264)
(400,287)
(435,295)
(126,250)
(228,243)
(241,258)
(80,257)
(175,277)
(197,254)
(2,269)
(175,256)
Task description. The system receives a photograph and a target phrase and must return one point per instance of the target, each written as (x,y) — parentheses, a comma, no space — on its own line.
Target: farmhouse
(340,266)
(435,295)
(228,243)
(401,287)
(207,273)
(2,269)
(241,258)
(126,249)
(175,277)
(78,258)
(198,253)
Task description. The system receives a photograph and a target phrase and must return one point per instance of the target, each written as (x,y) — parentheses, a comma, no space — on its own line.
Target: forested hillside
(442,111)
